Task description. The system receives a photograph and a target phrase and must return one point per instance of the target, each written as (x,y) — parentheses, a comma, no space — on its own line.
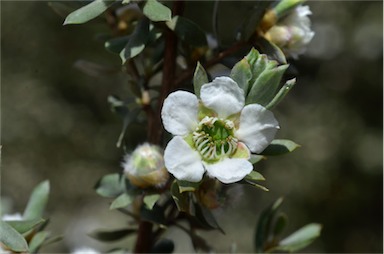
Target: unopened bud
(145,166)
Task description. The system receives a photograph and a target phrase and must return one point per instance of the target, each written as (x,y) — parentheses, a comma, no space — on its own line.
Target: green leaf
(156,11)
(282,93)
(111,185)
(285,6)
(272,50)
(280,146)
(187,186)
(87,12)
(206,218)
(150,200)
(300,239)
(116,45)
(112,235)
(254,176)
(37,201)
(199,79)
(256,158)
(156,215)
(126,1)
(264,225)
(265,86)
(253,184)
(181,199)
(12,239)
(121,201)
(241,73)
(37,241)
(280,224)
(23,226)
(137,41)
(188,31)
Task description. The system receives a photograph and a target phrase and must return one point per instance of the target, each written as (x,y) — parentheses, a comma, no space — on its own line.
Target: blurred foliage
(57,125)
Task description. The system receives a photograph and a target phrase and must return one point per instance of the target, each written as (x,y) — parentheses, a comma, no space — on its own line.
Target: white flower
(215,134)
(293,33)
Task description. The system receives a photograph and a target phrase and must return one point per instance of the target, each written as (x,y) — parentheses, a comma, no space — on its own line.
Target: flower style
(215,134)
(293,33)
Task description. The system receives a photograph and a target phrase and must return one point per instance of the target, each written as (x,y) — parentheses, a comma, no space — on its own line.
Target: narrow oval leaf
(110,186)
(187,186)
(181,199)
(199,78)
(280,223)
(37,201)
(137,41)
(121,201)
(252,20)
(300,239)
(206,218)
(255,158)
(87,12)
(280,146)
(241,73)
(281,94)
(265,86)
(37,241)
(264,225)
(150,200)
(272,50)
(188,31)
(11,238)
(156,215)
(254,176)
(156,11)
(116,45)
(23,226)
(112,235)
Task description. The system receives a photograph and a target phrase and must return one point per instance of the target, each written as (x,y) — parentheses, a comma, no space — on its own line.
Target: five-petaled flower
(216,133)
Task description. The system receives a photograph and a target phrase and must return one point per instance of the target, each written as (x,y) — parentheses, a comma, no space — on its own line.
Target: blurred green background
(56,125)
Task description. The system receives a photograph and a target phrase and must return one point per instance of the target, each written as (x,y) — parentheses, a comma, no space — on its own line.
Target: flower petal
(223,95)
(258,127)
(179,113)
(229,170)
(182,161)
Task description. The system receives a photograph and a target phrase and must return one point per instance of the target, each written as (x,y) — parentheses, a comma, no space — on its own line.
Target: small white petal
(223,95)
(179,113)
(258,127)
(182,161)
(229,170)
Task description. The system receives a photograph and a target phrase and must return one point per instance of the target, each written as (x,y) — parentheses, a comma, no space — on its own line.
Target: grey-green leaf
(150,200)
(242,74)
(116,45)
(23,226)
(272,50)
(87,12)
(255,158)
(300,239)
(137,41)
(265,86)
(37,201)
(199,79)
(156,11)
(279,147)
(121,201)
(255,176)
(281,94)
(37,241)
(187,186)
(110,186)
(188,31)
(251,22)
(181,199)
(11,238)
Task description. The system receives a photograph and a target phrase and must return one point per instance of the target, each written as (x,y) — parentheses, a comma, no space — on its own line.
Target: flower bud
(145,166)
(292,33)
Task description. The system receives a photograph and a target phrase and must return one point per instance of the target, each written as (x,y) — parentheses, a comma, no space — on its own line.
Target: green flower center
(214,138)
